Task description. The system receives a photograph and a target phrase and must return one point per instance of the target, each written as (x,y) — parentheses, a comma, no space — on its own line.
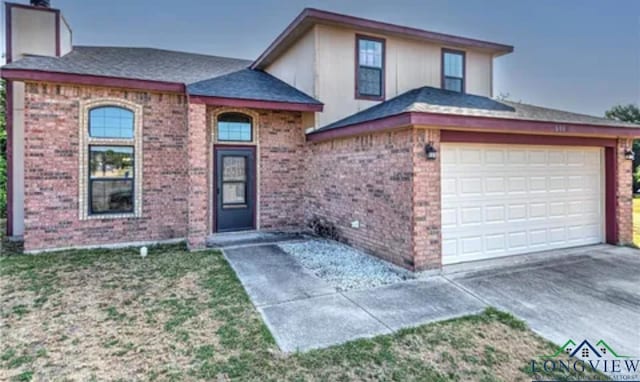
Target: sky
(577,55)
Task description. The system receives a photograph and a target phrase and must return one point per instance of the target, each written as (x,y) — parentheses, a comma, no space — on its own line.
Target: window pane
(454,84)
(370,53)
(234,127)
(370,81)
(111,196)
(111,162)
(453,66)
(233,193)
(233,168)
(111,122)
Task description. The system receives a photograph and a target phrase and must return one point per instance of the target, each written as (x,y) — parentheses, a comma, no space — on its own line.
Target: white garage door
(500,200)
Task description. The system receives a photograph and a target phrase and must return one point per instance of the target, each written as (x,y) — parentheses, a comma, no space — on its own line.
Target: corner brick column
(624,194)
(198,160)
(427,237)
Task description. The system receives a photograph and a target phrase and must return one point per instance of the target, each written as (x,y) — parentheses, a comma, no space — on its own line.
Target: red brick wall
(624,197)
(177,170)
(199,157)
(427,236)
(281,150)
(369,179)
(52,168)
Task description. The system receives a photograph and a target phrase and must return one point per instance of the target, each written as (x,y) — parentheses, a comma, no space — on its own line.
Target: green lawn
(179,315)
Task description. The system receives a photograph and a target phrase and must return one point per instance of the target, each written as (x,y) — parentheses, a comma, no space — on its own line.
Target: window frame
(383,67)
(443,77)
(232,141)
(90,181)
(94,108)
(86,141)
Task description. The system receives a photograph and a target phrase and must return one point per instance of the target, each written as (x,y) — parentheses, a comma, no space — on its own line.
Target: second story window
(453,70)
(370,69)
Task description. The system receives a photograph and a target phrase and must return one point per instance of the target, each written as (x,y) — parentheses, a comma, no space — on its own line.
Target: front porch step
(238,239)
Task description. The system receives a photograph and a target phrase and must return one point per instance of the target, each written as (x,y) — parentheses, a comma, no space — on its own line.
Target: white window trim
(86,141)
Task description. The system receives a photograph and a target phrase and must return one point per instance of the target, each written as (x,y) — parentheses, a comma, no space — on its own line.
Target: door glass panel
(233,193)
(234,181)
(234,168)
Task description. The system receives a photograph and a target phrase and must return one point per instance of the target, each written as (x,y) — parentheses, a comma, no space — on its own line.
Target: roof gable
(310,16)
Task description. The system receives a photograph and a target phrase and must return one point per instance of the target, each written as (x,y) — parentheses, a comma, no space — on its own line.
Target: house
(387,132)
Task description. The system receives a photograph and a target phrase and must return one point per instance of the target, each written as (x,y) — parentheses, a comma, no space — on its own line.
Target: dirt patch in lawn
(179,315)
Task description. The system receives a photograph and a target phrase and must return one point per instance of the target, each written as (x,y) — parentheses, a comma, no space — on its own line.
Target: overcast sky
(578,55)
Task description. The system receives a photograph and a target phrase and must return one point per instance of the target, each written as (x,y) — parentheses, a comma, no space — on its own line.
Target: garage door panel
(493,212)
(518,200)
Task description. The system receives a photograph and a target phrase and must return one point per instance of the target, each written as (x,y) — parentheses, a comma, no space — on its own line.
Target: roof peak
(311,16)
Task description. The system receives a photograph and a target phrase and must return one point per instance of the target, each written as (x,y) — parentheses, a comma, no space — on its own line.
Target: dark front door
(235,189)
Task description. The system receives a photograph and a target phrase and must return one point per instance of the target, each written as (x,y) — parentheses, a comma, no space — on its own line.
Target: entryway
(235,189)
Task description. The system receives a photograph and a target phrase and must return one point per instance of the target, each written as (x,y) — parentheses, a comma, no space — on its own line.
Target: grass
(179,315)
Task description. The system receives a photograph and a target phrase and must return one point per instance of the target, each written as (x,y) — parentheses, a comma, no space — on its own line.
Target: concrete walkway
(303,312)
(588,293)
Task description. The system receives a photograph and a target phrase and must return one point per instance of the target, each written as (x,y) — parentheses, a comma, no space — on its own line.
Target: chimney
(40,3)
(37,29)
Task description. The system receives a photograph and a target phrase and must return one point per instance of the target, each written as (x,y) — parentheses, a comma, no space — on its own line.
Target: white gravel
(343,267)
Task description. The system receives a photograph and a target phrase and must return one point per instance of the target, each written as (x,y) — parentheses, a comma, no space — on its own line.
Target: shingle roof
(204,75)
(250,84)
(134,63)
(433,100)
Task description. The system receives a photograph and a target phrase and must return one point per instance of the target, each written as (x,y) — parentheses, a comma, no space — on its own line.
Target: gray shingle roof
(204,75)
(134,63)
(250,84)
(433,100)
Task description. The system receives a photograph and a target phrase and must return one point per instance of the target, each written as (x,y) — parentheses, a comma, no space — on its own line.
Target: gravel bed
(343,267)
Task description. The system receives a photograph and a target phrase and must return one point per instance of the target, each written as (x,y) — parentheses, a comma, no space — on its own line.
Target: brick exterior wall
(52,169)
(368,179)
(199,157)
(427,236)
(177,173)
(382,180)
(624,195)
(281,152)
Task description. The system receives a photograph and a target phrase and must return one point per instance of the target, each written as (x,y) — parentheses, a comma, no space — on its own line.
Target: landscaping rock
(343,267)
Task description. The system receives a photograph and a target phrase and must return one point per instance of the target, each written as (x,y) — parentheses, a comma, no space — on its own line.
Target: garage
(500,200)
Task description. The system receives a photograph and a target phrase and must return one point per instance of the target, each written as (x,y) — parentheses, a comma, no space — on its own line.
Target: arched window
(111,154)
(111,122)
(234,127)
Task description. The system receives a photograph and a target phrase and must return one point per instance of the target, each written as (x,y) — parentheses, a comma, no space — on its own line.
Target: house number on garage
(561,128)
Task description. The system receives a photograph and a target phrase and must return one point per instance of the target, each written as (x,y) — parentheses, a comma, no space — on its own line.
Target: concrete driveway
(590,293)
